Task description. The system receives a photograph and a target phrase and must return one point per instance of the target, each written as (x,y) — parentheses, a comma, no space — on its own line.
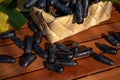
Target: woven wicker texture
(56,29)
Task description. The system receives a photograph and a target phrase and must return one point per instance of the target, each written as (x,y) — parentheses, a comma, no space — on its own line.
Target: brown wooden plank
(113,74)
(90,34)
(14,69)
(85,67)
(11,50)
(81,61)
(114,29)
(15,51)
(19,33)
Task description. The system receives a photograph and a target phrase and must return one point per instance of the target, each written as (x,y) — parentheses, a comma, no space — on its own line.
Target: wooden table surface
(87,68)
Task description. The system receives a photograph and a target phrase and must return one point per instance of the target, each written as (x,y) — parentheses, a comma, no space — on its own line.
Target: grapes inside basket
(59,19)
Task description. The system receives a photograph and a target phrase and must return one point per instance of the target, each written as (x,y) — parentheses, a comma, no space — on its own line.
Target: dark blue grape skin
(41,4)
(103,59)
(75,47)
(84,53)
(65,62)
(64,55)
(72,4)
(7,34)
(6,59)
(54,67)
(33,26)
(107,49)
(79,13)
(29,3)
(63,48)
(65,1)
(27,59)
(51,53)
(94,1)
(28,42)
(60,6)
(112,40)
(38,50)
(115,35)
(37,37)
(118,33)
(85,4)
(18,41)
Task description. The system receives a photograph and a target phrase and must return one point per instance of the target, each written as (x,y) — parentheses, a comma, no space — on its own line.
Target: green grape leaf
(6,2)
(16,19)
(117,1)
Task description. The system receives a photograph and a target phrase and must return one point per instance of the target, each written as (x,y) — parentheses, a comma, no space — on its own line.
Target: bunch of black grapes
(63,7)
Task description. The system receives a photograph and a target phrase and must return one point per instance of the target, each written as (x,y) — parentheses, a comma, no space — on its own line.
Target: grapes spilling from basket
(57,8)
(57,55)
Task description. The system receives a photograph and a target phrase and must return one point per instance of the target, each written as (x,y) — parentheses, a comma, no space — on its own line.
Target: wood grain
(93,34)
(36,66)
(9,70)
(19,33)
(90,34)
(85,67)
(112,74)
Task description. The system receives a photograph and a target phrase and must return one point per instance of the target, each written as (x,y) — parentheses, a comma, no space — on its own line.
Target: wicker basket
(56,29)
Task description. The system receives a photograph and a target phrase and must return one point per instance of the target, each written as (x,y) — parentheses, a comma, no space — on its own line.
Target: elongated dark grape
(51,53)
(27,59)
(39,51)
(63,55)
(18,41)
(107,49)
(33,26)
(6,59)
(7,34)
(85,4)
(112,40)
(62,47)
(115,35)
(29,3)
(65,1)
(60,6)
(55,67)
(118,33)
(79,13)
(72,4)
(84,53)
(94,1)
(103,59)
(65,62)
(41,4)
(28,42)
(75,47)
(37,37)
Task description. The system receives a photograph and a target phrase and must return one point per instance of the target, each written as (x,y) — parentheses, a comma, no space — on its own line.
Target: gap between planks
(112,74)
(34,66)
(87,44)
(70,72)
